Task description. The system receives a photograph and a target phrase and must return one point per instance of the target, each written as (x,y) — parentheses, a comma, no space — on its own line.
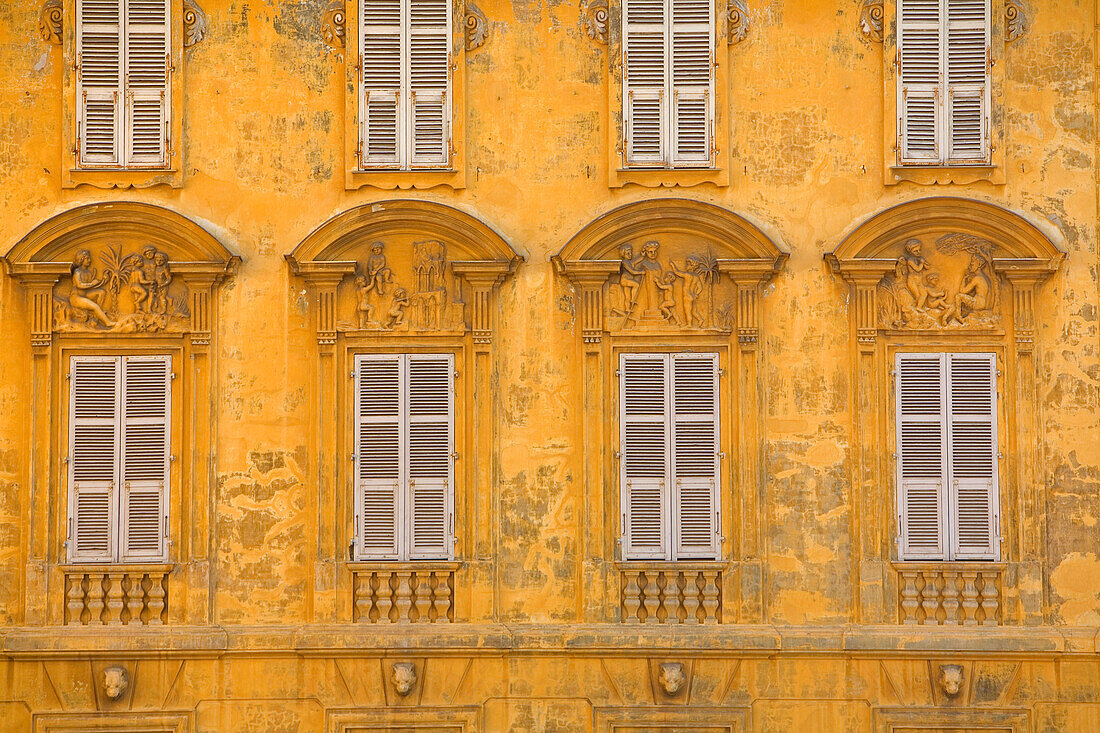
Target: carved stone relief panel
(121,291)
(942,282)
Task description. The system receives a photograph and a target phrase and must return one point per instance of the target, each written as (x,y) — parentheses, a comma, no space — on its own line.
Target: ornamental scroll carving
(477,27)
(738,21)
(334,25)
(594,19)
(870,21)
(1016,20)
(194,23)
(124,293)
(50,21)
(424,298)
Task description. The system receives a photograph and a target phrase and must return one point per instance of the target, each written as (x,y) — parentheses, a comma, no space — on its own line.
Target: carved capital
(1016,20)
(589,277)
(737,21)
(50,21)
(477,27)
(483,277)
(594,16)
(194,23)
(870,21)
(334,25)
(323,278)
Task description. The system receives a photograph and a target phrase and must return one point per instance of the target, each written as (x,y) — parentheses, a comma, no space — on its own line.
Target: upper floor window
(404,456)
(669,437)
(944,82)
(124,62)
(118,460)
(946,408)
(668,83)
(404,84)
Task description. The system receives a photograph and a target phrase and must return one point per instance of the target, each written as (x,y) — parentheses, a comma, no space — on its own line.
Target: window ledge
(668,177)
(932,175)
(400,565)
(390,179)
(671,564)
(102,567)
(122,177)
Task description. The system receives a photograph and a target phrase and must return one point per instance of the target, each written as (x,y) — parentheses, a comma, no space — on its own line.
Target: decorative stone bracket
(194,23)
(477,27)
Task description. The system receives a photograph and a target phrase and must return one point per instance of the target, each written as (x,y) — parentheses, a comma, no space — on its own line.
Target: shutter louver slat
(921,454)
(99,81)
(378,453)
(93,445)
(430,453)
(695,427)
(145,455)
(973,438)
(644,448)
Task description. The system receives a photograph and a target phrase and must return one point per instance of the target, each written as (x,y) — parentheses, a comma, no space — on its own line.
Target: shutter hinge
(172,375)
(69,375)
(66,459)
(351,457)
(351,374)
(351,546)
(70,533)
(721,372)
(618,455)
(618,373)
(172,458)
(721,455)
(454,455)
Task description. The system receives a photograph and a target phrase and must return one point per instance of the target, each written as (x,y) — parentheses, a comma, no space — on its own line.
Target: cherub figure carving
(115,681)
(378,272)
(630,277)
(403,676)
(87,294)
(162,279)
(975,294)
(398,304)
(910,269)
(667,306)
(143,279)
(951,679)
(363,308)
(694,273)
(671,677)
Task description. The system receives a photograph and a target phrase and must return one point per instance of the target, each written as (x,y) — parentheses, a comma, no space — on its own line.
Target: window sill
(656,565)
(668,177)
(932,175)
(390,179)
(401,565)
(122,177)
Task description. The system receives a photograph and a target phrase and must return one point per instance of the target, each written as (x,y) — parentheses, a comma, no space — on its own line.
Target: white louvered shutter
(967,58)
(431,450)
(146,413)
(148,60)
(644,459)
(429,84)
(645,82)
(972,439)
(380,66)
(378,452)
(920,91)
(921,455)
(691,46)
(695,440)
(94,386)
(99,40)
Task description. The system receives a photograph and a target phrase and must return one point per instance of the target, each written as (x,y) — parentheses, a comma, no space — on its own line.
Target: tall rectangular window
(946,409)
(404,456)
(668,83)
(123,68)
(404,83)
(118,461)
(669,437)
(943,81)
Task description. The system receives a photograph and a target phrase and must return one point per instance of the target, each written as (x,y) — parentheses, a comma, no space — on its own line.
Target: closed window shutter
(431,448)
(380,63)
(967,80)
(645,82)
(973,451)
(429,81)
(920,89)
(922,448)
(148,36)
(93,456)
(644,446)
(146,410)
(99,80)
(692,44)
(695,435)
(378,451)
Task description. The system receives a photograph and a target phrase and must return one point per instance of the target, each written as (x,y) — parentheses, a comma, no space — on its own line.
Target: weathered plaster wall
(263,141)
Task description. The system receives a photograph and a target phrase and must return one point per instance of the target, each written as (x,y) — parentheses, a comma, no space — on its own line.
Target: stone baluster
(95,598)
(930,597)
(909,604)
(423,597)
(135,597)
(404,601)
(385,600)
(970,598)
(691,597)
(157,596)
(631,597)
(362,597)
(990,601)
(650,599)
(115,603)
(75,598)
(441,598)
(710,597)
(950,597)
(670,597)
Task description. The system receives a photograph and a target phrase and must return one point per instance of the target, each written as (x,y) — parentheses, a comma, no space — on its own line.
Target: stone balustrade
(123,595)
(671,593)
(950,594)
(403,593)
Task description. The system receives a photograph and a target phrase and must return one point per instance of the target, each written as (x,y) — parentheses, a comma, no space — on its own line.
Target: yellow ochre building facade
(612,366)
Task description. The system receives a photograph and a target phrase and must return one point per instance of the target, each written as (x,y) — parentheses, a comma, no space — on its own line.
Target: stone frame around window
(42,262)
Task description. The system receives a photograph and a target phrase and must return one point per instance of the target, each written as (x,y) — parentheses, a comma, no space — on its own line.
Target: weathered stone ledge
(545,639)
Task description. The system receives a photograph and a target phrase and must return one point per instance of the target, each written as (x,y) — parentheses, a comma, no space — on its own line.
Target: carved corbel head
(672,678)
(403,676)
(951,679)
(115,681)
